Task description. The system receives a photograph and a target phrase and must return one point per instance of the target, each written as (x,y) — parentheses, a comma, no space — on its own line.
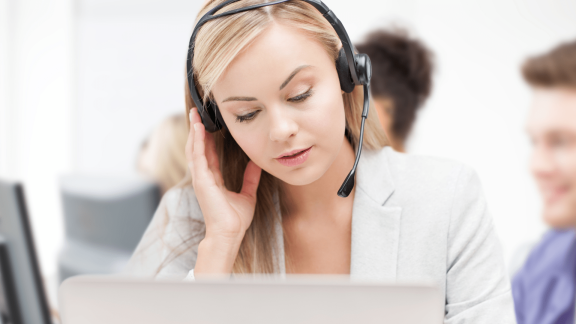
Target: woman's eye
(247,117)
(301,97)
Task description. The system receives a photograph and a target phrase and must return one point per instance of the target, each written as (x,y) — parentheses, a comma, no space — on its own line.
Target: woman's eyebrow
(285,83)
(296,70)
(239,99)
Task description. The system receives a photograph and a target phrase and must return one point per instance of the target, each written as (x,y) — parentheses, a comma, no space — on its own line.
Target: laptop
(22,296)
(120,300)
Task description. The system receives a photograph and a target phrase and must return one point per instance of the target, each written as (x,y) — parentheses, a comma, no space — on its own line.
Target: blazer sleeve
(477,285)
(169,246)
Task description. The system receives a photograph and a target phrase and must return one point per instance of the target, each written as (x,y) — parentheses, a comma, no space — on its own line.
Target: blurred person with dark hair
(544,287)
(401,80)
(162,155)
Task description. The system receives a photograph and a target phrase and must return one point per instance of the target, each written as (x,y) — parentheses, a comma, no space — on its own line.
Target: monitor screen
(9,312)
(22,264)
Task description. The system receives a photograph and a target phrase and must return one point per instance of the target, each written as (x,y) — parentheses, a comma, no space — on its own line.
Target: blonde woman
(263,195)
(162,156)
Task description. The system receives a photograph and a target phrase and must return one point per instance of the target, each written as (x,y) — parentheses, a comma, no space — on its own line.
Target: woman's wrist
(216,255)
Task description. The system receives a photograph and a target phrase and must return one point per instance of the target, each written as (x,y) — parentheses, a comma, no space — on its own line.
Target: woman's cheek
(329,122)
(254,146)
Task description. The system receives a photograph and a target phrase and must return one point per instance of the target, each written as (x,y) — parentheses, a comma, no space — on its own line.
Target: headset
(353,69)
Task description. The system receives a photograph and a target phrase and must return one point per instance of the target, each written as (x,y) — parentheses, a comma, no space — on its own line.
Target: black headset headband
(359,67)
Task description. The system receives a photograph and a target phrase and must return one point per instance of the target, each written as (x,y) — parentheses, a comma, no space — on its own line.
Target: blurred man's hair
(401,72)
(556,68)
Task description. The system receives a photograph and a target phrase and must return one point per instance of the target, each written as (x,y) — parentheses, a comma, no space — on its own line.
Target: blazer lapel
(375,226)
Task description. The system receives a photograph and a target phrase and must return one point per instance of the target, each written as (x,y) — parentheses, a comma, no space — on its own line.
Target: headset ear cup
(363,68)
(343,70)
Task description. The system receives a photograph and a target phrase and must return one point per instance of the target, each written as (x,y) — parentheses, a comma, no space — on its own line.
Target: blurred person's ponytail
(162,155)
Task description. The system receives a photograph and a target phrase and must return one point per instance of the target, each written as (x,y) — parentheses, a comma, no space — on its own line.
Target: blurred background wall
(37,109)
(83,82)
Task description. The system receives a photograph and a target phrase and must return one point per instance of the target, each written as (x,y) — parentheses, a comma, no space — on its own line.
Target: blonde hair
(217,44)
(162,157)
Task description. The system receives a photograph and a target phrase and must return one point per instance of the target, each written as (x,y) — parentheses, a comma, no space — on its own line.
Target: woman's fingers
(194,116)
(200,164)
(189,148)
(251,180)
(209,148)
(212,157)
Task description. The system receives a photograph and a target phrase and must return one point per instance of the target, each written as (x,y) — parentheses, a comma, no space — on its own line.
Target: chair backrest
(104,219)
(108,212)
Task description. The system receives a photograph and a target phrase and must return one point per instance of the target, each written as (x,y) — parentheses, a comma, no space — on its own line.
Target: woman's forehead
(270,59)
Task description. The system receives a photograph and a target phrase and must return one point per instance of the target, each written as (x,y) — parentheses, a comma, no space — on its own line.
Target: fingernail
(190,115)
(196,126)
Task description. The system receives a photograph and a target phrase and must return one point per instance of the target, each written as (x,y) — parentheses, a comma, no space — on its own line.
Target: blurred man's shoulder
(553,248)
(550,255)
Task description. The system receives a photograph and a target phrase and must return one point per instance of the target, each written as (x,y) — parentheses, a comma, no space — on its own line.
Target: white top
(190,276)
(413,218)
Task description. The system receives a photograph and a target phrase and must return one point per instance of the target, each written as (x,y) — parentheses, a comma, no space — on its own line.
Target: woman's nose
(282,126)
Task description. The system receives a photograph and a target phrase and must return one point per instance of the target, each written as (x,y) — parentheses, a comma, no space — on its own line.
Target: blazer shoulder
(409,170)
(181,202)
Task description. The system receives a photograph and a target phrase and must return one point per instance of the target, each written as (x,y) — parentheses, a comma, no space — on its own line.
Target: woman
(263,192)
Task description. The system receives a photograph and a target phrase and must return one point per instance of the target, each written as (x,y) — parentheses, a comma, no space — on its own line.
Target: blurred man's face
(552,129)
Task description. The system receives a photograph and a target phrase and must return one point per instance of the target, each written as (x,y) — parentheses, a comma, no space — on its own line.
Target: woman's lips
(295,159)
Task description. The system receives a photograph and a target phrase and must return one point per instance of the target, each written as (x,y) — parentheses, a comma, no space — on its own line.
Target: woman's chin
(300,177)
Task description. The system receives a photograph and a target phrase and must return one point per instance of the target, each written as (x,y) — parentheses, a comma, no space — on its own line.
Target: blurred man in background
(544,288)
(401,80)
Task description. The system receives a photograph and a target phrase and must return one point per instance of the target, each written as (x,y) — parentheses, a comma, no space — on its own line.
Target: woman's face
(282,103)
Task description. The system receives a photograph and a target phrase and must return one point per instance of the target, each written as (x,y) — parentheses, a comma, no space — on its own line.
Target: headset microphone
(353,69)
(348,185)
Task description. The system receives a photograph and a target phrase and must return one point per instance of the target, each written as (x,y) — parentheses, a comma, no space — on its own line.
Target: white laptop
(115,300)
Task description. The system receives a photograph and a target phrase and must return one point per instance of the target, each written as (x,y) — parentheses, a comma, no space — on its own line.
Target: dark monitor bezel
(18,193)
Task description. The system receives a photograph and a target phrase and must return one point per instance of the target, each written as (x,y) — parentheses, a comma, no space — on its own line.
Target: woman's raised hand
(227,214)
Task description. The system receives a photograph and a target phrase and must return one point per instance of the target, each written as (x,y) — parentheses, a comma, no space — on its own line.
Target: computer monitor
(9,310)
(25,299)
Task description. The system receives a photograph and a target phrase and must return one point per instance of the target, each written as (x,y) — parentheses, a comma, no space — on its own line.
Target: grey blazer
(413,218)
